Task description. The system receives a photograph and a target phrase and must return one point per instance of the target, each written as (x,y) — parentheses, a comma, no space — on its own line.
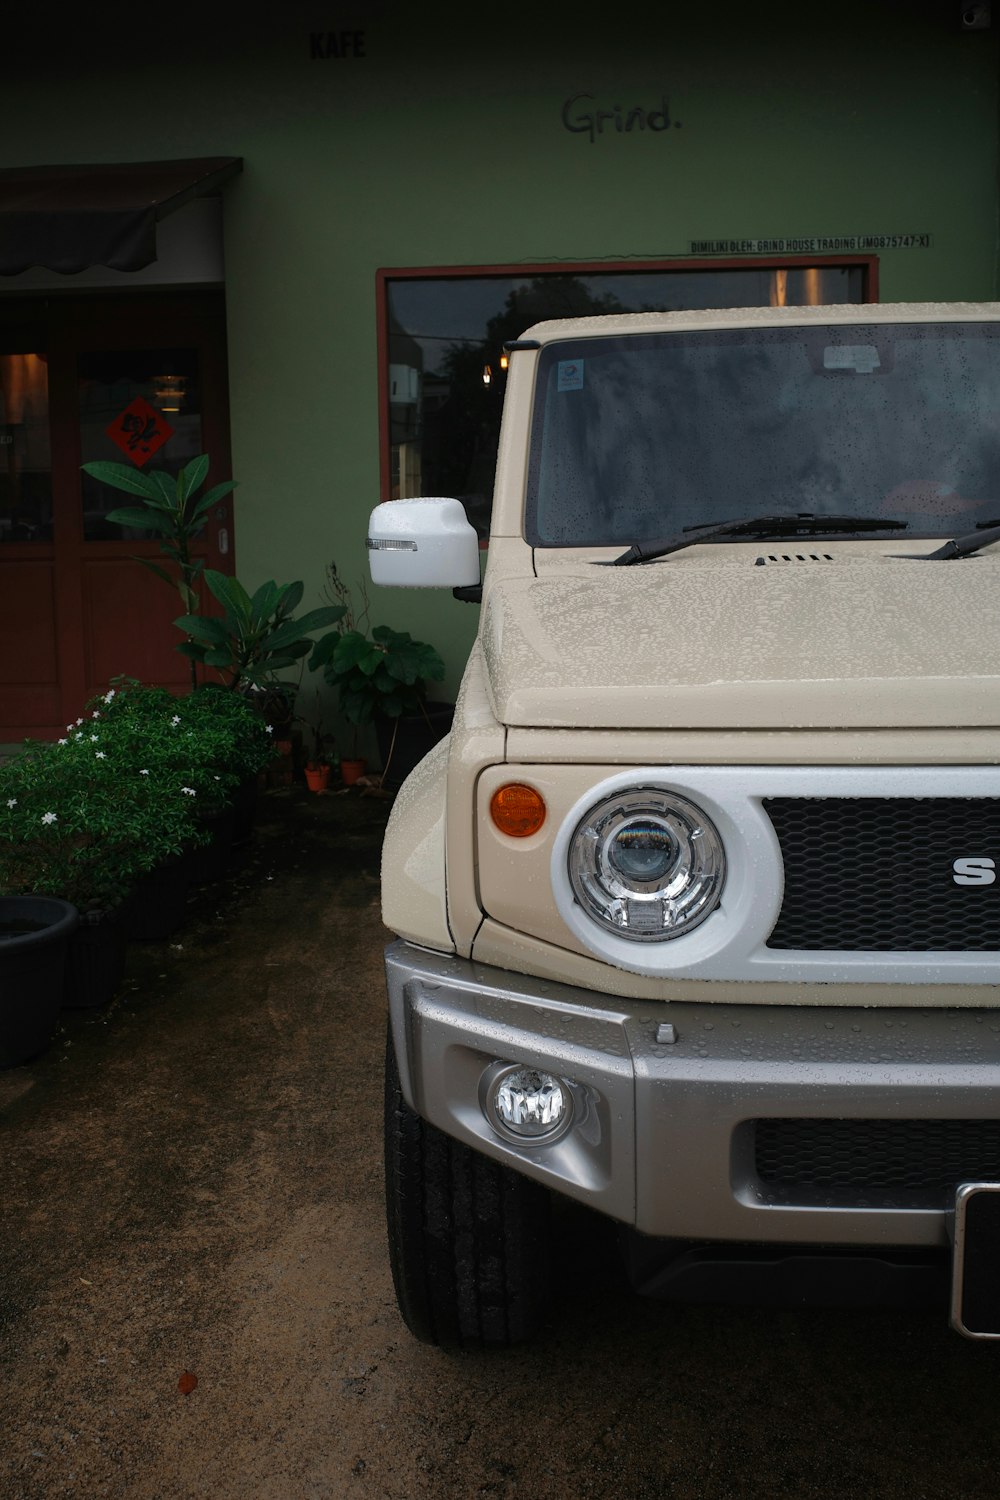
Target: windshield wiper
(965,546)
(772,525)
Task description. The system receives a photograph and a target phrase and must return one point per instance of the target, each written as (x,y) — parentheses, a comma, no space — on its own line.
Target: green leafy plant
(375,670)
(233,725)
(382,672)
(322,742)
(258,635)
(84,818)
(171,507)
(216,738)
(129,785)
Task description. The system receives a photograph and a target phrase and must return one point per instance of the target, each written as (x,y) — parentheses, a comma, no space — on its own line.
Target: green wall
(444,144)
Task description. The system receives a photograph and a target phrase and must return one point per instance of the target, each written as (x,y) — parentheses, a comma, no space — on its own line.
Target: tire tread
(468,1237)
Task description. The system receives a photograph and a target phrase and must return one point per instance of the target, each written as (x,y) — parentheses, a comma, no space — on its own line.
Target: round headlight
(646,864)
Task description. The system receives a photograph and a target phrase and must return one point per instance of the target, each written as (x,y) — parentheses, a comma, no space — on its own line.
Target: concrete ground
(195,1298)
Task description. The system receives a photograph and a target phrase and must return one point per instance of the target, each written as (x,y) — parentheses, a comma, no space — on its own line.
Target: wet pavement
(195,1298)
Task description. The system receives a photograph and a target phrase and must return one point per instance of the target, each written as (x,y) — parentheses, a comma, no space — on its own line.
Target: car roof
(615,324)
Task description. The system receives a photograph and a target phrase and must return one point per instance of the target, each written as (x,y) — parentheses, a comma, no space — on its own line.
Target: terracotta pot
(351,770)
(317,778)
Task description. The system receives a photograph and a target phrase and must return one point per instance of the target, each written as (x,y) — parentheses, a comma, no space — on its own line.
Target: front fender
(414,892)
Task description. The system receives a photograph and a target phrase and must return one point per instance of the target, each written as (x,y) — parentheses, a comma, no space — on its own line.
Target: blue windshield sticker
(569,375)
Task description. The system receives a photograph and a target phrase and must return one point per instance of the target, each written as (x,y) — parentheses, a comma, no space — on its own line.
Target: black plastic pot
(157,904)
(95,959)
(403,742)
(34,935)
(244,809)
(208,862)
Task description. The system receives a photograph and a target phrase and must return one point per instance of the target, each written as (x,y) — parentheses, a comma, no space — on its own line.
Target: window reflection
(896,422)
(446,336)
(25,452)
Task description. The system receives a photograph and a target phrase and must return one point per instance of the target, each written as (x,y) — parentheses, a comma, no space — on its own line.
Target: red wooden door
(76,608)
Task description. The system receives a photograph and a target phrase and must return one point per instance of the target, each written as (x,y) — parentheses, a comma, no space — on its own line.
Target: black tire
(468,1238)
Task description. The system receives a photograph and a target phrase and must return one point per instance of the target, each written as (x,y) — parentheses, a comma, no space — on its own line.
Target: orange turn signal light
(517,810)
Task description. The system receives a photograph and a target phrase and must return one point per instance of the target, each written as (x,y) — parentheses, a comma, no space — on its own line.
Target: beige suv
(697,911)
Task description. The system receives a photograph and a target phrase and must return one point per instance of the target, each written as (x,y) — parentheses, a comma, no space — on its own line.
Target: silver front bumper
(660,1138)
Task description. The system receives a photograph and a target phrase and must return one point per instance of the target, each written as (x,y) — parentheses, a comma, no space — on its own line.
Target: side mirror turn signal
(423,543)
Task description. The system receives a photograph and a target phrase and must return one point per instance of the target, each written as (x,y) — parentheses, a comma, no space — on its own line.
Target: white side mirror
(422,544)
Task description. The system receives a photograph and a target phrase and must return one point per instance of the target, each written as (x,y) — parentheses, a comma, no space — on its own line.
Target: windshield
(636,437)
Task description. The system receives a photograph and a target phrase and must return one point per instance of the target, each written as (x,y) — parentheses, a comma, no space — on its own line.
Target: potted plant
(214,739)
(83,820)
(34,936)
(122,804)
(258,635)
(245,743)
(381,677)
(354,766)
(317,766)
(168,506)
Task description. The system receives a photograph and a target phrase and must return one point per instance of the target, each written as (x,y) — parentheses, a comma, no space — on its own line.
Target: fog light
(527,1104)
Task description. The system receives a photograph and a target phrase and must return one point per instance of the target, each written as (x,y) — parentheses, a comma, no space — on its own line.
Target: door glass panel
(141,408)
(445,352)
(25,450)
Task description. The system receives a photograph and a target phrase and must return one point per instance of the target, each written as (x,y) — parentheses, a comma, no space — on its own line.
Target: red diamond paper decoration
(140,431)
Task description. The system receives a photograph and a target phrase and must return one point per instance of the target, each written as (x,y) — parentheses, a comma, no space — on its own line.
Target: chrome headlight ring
(646,864)
(668,872)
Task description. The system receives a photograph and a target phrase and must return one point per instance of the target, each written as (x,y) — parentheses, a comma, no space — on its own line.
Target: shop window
(442,367)
(25,451)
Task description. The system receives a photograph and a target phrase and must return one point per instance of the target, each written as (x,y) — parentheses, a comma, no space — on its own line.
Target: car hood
(832,643)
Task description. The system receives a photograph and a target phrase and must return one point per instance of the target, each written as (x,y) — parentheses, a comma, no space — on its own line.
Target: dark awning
(69,218)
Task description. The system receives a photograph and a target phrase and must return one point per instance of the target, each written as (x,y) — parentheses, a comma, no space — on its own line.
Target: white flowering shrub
(126,786)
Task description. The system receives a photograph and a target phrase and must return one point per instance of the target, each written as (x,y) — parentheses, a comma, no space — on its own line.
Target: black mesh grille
(871,873)
(857,1161)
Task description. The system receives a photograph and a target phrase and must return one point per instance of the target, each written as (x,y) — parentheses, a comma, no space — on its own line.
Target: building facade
(322,225)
